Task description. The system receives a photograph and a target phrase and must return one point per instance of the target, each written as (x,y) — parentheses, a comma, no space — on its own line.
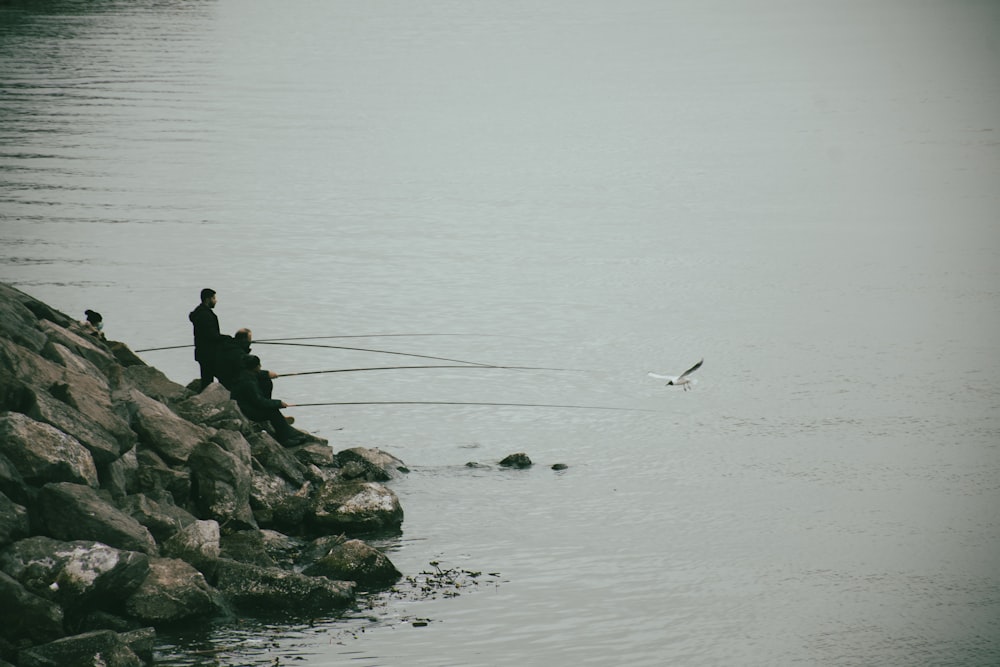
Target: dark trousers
(207,373)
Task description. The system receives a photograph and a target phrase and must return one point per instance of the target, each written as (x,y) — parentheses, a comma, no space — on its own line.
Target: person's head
(208,297)
(251,362)
(95,319)
(243,336)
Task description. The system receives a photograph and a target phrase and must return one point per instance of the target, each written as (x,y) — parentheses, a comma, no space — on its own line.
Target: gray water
(803,193)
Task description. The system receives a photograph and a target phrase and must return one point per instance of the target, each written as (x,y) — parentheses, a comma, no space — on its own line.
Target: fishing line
(365,349)
(515,405)
(393,368)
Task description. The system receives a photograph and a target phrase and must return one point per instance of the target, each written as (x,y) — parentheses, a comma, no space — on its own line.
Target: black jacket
(229,361)
(248,395)
(207,337)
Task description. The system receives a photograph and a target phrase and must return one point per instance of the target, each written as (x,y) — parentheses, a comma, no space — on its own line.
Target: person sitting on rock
(256,403)
(94,324)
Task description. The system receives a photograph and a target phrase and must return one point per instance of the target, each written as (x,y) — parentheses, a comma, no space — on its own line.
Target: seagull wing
(693,368)
(662,377)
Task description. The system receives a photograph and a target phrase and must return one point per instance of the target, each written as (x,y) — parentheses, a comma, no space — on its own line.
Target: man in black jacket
(259,407)
(207,338)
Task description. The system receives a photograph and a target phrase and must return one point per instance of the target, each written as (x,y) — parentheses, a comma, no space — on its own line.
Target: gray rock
(29,366)
(377,466)
(153,383)
(75,574)
(275,503)
(213,407)
(103,447)
(163,519)
(355,561)
(234,443)
(519,460)
(276,458)
(14,523)
(161,429)
(196,543)
(154,475)
(79,345)
(255,588)
(18,322)
(356,508)
(222,484)
(99,648)
(24,615)
(120,477)
(315,453)
(42,453)
(173,591)
(74,512)
(142,641)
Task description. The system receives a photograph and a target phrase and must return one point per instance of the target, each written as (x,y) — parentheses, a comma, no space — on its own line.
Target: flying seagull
(679,380)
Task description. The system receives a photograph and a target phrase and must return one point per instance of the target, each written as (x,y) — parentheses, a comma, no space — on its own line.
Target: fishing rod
(401,335)
(394,368)
(515,405)
(366,349)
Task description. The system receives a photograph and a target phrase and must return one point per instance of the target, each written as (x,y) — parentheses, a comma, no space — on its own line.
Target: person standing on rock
(207,337)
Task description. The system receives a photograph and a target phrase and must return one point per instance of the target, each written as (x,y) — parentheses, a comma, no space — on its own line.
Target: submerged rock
(519,460)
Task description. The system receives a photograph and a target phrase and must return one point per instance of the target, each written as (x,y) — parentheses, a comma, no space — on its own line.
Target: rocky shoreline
(129,502)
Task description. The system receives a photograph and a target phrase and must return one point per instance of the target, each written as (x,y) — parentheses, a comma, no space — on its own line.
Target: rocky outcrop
(127,502)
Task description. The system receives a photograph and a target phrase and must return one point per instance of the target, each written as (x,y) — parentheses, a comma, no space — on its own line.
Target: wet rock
(174,591)
(251,587)
(519,460)
(247,546)
(75,512)
(90,649)
(222,486)
(141,641)
(17,321)
(316,453)
(559,466)
(372,464)
(356,508)
(353,560)
(24,615)
(161,429)
(43,453)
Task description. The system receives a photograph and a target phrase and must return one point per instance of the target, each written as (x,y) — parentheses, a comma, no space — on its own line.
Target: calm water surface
(804,194)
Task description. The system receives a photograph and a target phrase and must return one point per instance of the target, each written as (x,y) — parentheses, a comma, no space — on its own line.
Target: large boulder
(221,482)
(161,429)
(104,448)
(74,512)
(174,591)
(98,648)
(370,464)
(267,589)
(213,407)
(196,543)
(155,476)
(42,453)
(17,321)
(79,345)
(159,514)
(355,508)
(24,615)
(153,383)
(276,458)
(354,560)
(75,574)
